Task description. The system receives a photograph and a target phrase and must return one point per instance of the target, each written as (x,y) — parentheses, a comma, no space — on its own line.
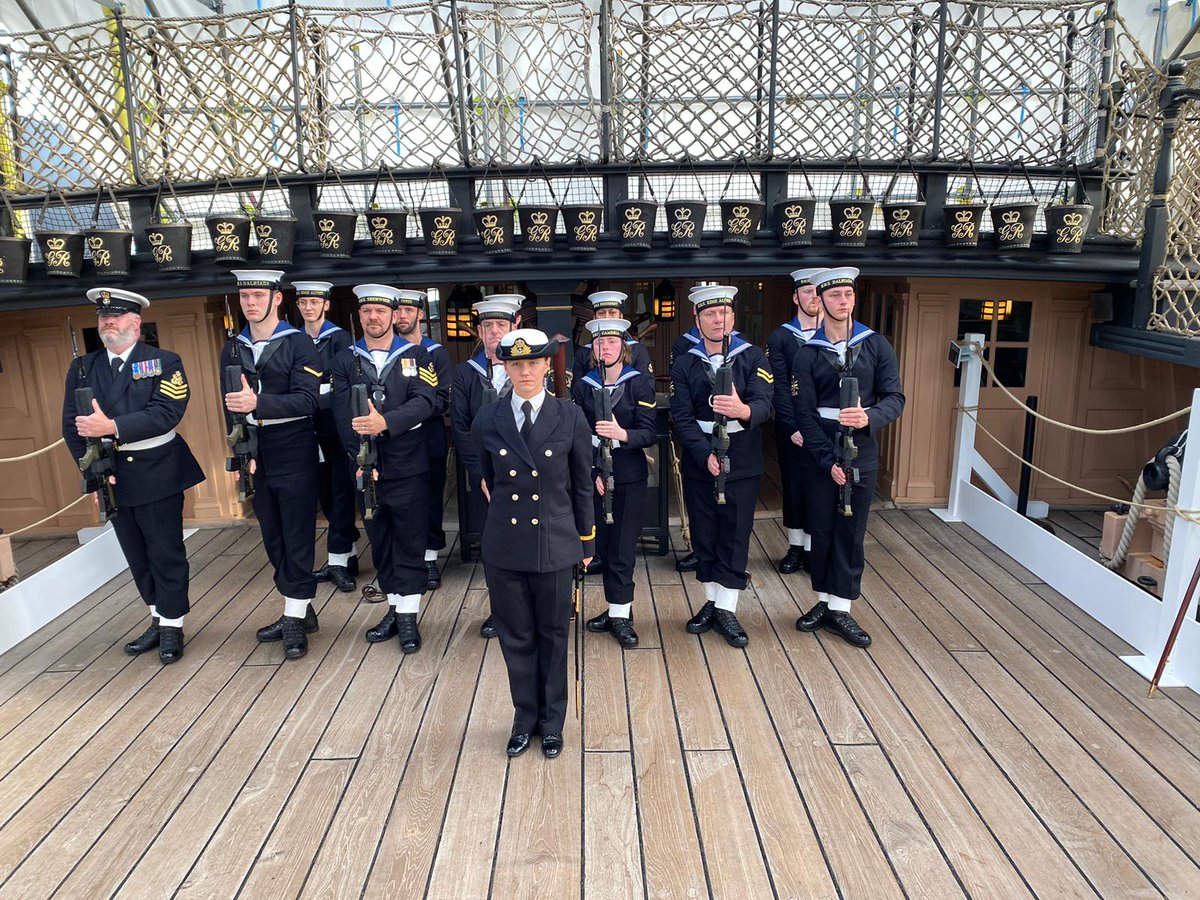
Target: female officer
(535,454)
(631,428)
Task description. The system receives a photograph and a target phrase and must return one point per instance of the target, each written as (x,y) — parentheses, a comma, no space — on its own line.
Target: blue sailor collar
(327,328)
(693,334)
(399,348)
(430,344)
(479,362)
(282,330)
(595,379)
(736,345)
(796,328)
(861,333)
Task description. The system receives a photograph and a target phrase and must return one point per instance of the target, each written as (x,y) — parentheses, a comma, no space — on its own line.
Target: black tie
(117,362)
(527,426)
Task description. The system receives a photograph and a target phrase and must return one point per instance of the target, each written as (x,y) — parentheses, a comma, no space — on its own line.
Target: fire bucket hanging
(62,249)
(583,221)
(111,247)
(494,222)
(230,232)
(170,240)
(335,228)
(852,216)
(636,218)
(902,218)
(740,218)
(388,225)
(794,216)
(276,234)
(685,218)
(1012,221)
(1066,222)
(14,250)
(963,213)
(538,221)
(440,224)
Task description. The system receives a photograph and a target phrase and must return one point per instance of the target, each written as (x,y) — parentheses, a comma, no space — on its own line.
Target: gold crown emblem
(683,213)
(853,212)
(1073,219)
(325,225)
(964,215)
(105,296)
(520,348)
(633,213)
(442,222)
(539,218)
(379,222)
(55,243)
(587,217)
(95,242)
(901,215)
(741,212)
(490,221)
(156,238)
(263,231)
(1011,216)
(224,228)
(794,211)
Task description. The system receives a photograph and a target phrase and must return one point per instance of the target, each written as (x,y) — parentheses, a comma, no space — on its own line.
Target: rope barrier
(74,502)
(31,454)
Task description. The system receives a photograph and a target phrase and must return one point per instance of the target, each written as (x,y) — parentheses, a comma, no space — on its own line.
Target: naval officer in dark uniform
(337,487)
(536,455)
(281,384)
(789,443)
(610,305)
(141,394)
(631,429)
(402,387)
(409,313)
(480,380)
(720,531)
(841,348)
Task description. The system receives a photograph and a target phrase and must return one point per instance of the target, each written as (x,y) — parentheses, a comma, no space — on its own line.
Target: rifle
(368,455)
(604,412)
(722,386)
(96,464)
(243,437)
(847,451)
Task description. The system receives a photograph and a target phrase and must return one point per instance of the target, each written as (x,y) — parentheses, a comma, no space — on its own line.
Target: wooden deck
(989,744)
(34,554)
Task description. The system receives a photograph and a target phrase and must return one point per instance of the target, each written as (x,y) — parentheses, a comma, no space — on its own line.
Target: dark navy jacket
(691,396)
(436,443)
(404,392)
(817,377)
(633,405)
(330,341)
(781,347)
(143,407)
(466,397)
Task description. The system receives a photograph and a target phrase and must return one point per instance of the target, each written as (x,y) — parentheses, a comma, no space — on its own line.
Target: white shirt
(499,377)
(123,357)
(518,415)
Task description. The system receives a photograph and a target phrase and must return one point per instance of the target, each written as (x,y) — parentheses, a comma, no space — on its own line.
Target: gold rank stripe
(175,393)
(313,372)
(588,537)
(644,403)
(766,376)
(428,377)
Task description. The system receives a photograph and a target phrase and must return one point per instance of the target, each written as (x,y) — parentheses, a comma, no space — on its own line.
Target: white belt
(264,423)
(596,442)
(326,388)
(831,412)
(732,427)
(148,443)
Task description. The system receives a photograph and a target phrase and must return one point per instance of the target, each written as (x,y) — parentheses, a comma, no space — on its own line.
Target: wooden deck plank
(912,850)
(1010,565)
(270,654)
(607,726)
(644,619)
(1097,632)
(696,707)
(33,695)
(612,843)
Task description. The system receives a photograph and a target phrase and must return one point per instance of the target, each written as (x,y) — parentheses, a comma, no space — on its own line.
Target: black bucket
(111,249)
(637,219)
(902,223)
(537,227)
(583,222)
(62,252)
(14,260)
(389,230)
(794,221)
(230,237)
(851,220)
(961,224)
(171,246)
(495,225)
(740,221)
(685,223)
(335,233)
(441,226)
(276,236)
(1012,224)
(1066,225)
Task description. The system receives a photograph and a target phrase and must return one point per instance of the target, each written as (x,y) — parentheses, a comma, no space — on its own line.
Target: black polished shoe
(170,645)
(342,579)
(689,563)
(843,625)
(793,560)
(295,637)
(596,567)
(600,623)
(518,743)
(148,641)
(814,618)
(727,624)
(323,574)
(385,630)
(274,631)
(433,578)
(702,621)
(488,628)
(622,631)
(552,745)
(406,630)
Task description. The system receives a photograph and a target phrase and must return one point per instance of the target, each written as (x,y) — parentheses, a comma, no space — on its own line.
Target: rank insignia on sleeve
(795,387)
(429,375)
(408,367)
(174,387)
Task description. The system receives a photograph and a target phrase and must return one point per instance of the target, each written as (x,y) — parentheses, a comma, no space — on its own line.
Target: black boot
(689,563)
(406,631)
(323,574)
(488,628)
(170,645)
(793,561)
(596,567)
(814,618)
(342,579)
(148,641)
(274,631)
(622,631)
(295,637)
(433,578)
(727,624)
(385,630)
(600,623)
(701,621)
(843,625)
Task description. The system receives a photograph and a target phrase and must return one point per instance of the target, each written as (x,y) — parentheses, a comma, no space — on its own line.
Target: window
(1007,327)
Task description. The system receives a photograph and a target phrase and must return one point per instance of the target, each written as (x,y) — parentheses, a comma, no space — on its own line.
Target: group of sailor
(356,429)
